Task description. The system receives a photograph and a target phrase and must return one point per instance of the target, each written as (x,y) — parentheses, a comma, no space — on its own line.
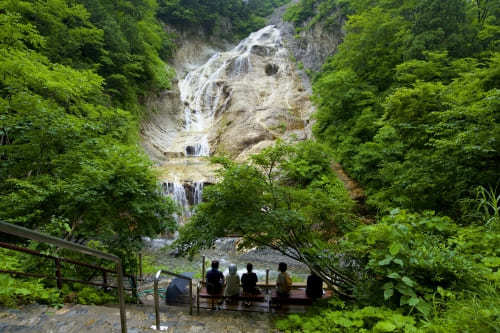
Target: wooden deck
(296,297)
(264,302)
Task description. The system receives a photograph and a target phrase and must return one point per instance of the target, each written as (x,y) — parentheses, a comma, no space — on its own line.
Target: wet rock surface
(82,318)
(313,45)
(226,102)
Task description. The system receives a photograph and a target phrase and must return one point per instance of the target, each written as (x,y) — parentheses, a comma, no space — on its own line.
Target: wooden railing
(22,232)
(58,272)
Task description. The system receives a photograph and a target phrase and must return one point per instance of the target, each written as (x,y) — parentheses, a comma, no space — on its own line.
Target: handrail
(22,232)
(47,256)
(157,298)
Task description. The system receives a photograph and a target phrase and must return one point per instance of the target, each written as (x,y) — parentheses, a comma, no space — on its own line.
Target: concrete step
(106,319)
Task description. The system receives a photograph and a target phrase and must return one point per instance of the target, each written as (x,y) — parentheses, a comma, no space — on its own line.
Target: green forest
(73,78)
(409,105)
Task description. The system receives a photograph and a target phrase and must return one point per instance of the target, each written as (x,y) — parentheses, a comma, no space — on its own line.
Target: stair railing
(22,232)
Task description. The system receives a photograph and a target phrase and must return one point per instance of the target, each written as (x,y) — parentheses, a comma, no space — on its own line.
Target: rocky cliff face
(231,100)
(234,102)
(314,43)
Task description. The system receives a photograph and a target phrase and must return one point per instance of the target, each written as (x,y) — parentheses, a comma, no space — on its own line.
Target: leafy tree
(68,162)
(399,100)
(272,203)
(231,19)
(409,107)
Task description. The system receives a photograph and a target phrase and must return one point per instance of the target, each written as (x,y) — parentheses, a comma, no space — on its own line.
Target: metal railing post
(58,274)
(203,269)
(105,280)
(121,297)
(157,300)
(198,298)
(267,281)
(157,296)
(135,294)
(140,266)
(191,297)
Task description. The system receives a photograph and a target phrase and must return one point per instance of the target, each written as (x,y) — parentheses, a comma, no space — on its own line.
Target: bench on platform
(202,293)
(296,297)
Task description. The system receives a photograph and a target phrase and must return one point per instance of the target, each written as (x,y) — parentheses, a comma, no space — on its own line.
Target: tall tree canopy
(409,103)
(69,159)
(410,107)
(287,199)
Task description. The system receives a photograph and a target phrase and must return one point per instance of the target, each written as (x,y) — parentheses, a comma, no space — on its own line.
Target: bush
(338,318)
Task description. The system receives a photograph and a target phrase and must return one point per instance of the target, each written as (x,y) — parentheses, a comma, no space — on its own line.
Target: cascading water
(198,193)
(205,94)
(177,192)
(234,102)
(186,196)
(202,90)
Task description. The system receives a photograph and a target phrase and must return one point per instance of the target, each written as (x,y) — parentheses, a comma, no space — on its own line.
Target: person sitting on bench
(215,279)
(249,284)
(314,287)
(232,283)
(283,282)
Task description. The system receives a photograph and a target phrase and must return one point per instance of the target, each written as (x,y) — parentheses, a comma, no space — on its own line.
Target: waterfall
(177,192)
(198,193)
(204,94)
(186,196)
(202,90)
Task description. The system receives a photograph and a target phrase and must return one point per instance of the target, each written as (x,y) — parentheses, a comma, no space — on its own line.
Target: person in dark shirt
(314,287)
(249,284)
(215,279)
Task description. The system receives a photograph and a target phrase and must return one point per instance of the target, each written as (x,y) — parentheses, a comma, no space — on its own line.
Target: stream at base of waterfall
(206,93)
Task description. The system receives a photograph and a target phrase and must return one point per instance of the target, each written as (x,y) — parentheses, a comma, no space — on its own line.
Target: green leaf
(395,248)
(384,326)
(388,285)
(23,291)
(394,275)
(413,301)
(344,322)
(386,261)
(388,293)
(409,282)
(399,262)
(423,307)
(405,290)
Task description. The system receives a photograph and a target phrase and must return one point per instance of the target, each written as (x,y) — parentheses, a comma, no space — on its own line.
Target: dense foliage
(288,199)
(69,161)
(232,19)
(73,75)
(417,273)
(410,106)
(410,102)
(70,165)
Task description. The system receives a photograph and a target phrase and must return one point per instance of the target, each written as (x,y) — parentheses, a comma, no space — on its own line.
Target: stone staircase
(106,319)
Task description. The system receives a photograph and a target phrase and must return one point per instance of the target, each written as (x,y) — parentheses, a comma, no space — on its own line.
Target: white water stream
(203,95)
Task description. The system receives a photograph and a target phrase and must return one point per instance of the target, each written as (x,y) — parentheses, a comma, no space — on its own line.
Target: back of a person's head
(282,267)
(249,268)
(215,264)
(232,269)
